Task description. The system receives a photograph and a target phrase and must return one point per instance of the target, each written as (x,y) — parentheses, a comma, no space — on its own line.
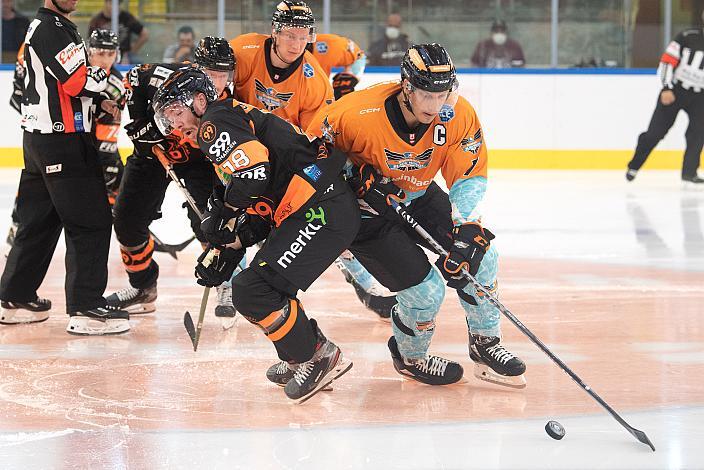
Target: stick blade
(640,435)
(190,329)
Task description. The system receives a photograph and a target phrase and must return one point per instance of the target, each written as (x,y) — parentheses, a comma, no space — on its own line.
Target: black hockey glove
(343,83)
(143,131)
(376,191)
(216,266)
(219,224)
(469,244)
(251,229)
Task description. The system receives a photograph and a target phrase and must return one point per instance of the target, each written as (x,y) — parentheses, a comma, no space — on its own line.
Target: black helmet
(181,87)
(215,54)
(103,39)
(429,67)
(290,14)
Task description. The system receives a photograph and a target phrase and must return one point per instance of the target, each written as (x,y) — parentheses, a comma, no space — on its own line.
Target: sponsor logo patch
(71,57)
(58,126)
(446,113)
(321,47)
(313,172)
(208,132)
(53,168)
(305,235)
(308,71)
(78,121)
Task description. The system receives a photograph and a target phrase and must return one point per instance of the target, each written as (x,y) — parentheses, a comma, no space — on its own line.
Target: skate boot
(224,309)
(433,370)
(12,313)
(133,300)
(493,363)
(326,365)
(105,320)
(692,182)
(631,174)
(281,372)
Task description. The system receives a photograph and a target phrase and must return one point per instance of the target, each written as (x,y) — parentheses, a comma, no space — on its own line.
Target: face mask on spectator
(499,38)
(392,32)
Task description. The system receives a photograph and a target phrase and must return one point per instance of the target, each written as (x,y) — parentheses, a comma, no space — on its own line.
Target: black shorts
(390,250)
(299,250)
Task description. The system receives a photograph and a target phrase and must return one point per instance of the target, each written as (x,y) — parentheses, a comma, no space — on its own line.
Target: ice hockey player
(331,51)
(276,73)
(274,170)
(145,180)
(422,127)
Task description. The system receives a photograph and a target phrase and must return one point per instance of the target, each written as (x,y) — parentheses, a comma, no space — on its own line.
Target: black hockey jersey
(141,84)
(268,164)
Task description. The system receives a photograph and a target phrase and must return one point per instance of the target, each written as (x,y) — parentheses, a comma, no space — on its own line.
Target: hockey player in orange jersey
(278,74)
(331,50)
(408,132)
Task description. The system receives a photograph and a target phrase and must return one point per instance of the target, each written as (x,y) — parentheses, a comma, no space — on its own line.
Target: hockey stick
(170,249)
(194,332)
(408,218)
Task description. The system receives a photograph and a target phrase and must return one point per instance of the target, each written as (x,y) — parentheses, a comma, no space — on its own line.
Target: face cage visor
(104,51)
(286,32)
(166,115)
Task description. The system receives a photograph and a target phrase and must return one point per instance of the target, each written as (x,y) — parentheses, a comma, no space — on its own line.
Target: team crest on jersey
(270,98)
(408,161)
(308,71)
(327,132)
(473,144)
(208,132)
(321,47)
(446,113)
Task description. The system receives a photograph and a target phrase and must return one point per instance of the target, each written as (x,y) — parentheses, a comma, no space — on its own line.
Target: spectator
(499,51)
(128,25)
(390,49)
(183,50)
(14,27)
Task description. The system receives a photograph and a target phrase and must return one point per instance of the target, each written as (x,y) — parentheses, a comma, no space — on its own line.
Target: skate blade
(84,326)
(228,322)
(326,389)
(343,366)
(140,309)
(23,317)
(483,372)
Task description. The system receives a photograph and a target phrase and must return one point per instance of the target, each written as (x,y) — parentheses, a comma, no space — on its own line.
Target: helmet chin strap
(406,99)
(56,5)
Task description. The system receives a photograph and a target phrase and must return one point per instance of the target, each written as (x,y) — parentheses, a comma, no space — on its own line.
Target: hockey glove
(469,244)
(143,131)
(219,224)
(343,83)
(172,150)
(216,266)
(376,191)
(252,229)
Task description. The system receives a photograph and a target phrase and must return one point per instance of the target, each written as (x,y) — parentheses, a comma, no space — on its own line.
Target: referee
(61,186)
(682,74)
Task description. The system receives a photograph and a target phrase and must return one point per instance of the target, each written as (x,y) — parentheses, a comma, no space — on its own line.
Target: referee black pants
(661,122)
(61,187)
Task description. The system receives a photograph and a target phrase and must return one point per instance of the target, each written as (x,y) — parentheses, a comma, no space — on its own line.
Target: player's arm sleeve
(67,62)
(135,93)
(465,169)
(320,96)
(241,161)
(669,61)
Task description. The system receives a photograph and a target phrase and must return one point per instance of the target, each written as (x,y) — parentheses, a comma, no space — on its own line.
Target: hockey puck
(555,430)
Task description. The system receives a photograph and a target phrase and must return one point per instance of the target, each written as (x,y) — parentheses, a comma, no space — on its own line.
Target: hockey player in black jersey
(282,185)
(145,180)
(682,76)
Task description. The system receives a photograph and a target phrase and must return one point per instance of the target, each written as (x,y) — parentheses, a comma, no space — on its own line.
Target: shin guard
(482,316)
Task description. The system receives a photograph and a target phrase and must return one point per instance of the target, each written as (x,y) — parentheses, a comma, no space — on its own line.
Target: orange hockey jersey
(295,96)
(359,125)
(331,50)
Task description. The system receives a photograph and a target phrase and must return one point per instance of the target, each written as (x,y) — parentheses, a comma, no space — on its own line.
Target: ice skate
(105,320)
(281,372)
(494,363)
(134,300)
(224,309)
(326,365)
(13,313)
(433,370)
